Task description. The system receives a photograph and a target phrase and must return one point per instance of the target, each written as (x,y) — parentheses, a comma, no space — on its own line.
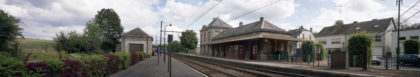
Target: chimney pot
(310,29)
(241,24)
(261,18)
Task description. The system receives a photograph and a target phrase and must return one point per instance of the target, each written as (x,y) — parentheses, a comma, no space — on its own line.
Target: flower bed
(85,65)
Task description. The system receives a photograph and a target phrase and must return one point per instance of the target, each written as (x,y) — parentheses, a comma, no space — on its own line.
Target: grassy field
(37,46)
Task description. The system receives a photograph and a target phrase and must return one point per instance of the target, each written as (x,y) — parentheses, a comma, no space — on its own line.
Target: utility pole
(160,40)
(398,34)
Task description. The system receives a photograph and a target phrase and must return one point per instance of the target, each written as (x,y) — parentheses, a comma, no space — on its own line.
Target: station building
(260,40)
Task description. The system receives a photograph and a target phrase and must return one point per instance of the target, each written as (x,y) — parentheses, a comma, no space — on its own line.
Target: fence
(388,62)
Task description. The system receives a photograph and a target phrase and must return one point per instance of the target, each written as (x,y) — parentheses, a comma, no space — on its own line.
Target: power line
(254,10)
(203,14)
(411,16)
(410,7)
(199,9)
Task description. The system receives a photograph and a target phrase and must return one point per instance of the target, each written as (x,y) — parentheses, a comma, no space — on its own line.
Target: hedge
(356,48)
(307,49)
(85,65)
(411,46)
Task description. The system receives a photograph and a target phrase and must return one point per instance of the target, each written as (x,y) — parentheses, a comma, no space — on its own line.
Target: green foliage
(110,27)
(189,39)
(125,58)
(356,47)
(176,46)
(95,65)
(11,66)
(9,30)
(307,49)
(93,35)
(323,50)
(411,46)
(73,42)
(338,23)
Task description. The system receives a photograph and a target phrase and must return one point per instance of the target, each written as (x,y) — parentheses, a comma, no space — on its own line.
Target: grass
(37,47)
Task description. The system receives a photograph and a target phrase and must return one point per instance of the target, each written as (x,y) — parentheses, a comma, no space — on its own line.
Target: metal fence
(387,62)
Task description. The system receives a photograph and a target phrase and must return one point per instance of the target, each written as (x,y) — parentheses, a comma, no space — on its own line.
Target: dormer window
(376,26)
(357,28)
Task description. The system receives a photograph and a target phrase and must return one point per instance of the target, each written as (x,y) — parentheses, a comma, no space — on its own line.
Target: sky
(42,19)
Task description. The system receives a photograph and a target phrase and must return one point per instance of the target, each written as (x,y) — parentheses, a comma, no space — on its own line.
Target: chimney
(261,18)
(241,24)
(170,24)
(300,28)
(310,29)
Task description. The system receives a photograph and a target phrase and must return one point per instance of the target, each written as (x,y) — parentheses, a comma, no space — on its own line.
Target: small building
(302,33)
(405,34)
(136,40)
(260,40)
(335,37)
(209,32)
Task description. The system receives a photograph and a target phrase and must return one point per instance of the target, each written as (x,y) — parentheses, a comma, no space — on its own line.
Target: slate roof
(375,25)
(258,26)
(296,32)
(137,32)
(217,22)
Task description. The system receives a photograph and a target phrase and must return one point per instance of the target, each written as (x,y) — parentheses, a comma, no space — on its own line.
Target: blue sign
(158,50)
(165,50)
(298,51)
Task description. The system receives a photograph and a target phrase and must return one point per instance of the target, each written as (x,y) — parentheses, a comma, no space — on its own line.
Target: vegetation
(322,54)
(73,42)
(411,46)
(176,46)
(110,27)
(9,31)
(307,49)
(356,47)
(189,40)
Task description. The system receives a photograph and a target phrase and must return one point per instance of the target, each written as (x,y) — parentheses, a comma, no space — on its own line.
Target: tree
(338,22)
(111,29)
(307,49)
(176,46)
(411,46)
(356,47)
(93,35)
(73,42)
(9,30)
(189,39)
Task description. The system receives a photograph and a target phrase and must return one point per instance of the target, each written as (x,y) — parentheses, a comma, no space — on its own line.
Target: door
(135,47)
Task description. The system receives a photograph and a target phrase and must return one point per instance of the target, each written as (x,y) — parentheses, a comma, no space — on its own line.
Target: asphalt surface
(151,68)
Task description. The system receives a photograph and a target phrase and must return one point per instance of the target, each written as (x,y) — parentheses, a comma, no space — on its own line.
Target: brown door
(135,47)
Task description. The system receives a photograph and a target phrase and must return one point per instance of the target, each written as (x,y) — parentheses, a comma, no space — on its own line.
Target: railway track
(216,69)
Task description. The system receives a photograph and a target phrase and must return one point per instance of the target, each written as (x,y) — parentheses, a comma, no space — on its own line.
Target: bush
(411,46)
(94,65)
(307,49)
(11,66)
(55,65)
(74,70)
(323,50)
(112,63)
(357,46)
(124,59)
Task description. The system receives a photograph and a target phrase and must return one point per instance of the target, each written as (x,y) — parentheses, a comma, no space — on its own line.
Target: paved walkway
(150,68)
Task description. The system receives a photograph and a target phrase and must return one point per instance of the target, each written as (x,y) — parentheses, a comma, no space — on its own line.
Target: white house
(136,40)
(302,33)
(405,34)
(335,37)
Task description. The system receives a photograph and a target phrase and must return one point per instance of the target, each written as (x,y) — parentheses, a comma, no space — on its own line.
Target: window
(336,42)
(377,38)
(414,37)
(402,38)
(217,31)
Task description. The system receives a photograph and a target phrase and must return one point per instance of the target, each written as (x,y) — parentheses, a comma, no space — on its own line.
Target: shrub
(323,51)
(112,63)
(357,46)
(307,49)
(411,46)
(94,65)
(74,70)
(36,68)
(55,65)
(124,59)
(10,66)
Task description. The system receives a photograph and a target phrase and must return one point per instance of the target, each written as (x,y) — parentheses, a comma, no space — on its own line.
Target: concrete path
(150,68)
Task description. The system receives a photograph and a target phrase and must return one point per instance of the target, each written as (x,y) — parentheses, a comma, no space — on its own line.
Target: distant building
(209,32)
(260,40)
(136,40)
(405,34)
(335,37)
(302,33)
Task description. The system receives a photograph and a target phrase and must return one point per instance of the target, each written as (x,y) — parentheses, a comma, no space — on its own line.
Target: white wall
(406,34)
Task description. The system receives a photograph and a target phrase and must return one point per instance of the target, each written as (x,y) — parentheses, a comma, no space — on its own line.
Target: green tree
(93,35)
(111,29)
(323,50)
(72,43)
(411,46)
(338,22)
(189,39)
(356,47)
(9,30)
(176,46)
(307,49)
